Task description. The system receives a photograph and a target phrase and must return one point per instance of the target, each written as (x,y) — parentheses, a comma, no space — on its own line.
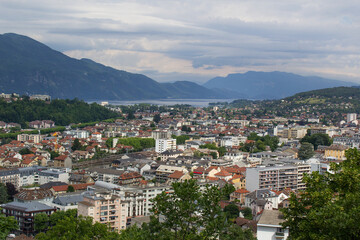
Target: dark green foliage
(227,190)
(138,143)
(190,214)
(25,151)
(74,228)
(54,154)
(76,145)
(329,207)
(221,150)
(247,213)
(62,112)
(262,142)
(232,211)
(41,221)
(234,232)
(70,189)
(11,191)
(317,139)
(185,128)
(130,116)
(214,155)
(7,225)
(3,194)
(157,118)
(306,150)
(181,139)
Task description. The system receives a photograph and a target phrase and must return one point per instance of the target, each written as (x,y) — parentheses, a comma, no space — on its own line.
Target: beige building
(293,133)
(336,152)
(37,138)
(105,208)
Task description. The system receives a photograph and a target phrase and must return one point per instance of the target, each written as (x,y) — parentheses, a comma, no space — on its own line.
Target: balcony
(279,235)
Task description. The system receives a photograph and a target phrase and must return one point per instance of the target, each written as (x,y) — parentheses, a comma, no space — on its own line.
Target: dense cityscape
(115,171)
(179,120)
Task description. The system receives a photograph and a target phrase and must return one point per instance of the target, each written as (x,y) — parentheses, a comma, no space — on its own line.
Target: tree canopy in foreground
(329,208)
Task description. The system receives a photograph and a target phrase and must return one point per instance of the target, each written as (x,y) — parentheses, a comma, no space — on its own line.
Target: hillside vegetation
(330,103)
(62,112)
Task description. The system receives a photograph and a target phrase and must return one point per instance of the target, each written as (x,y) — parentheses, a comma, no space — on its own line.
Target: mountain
(30,67)
(271,85)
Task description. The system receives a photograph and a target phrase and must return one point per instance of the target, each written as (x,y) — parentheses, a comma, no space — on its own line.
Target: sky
(196,40)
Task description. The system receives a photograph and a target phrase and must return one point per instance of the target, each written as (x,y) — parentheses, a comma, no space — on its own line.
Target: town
(112,170)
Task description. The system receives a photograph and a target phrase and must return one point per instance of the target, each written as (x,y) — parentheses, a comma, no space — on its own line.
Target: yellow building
(336,151)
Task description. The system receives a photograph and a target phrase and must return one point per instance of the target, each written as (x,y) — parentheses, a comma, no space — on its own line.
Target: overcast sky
(197,39)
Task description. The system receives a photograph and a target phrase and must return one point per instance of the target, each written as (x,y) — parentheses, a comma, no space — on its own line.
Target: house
(130,178)
(269,226)
(63,161)
(80,178)
(239,195)
(34,195)
(336,152)
(178,176)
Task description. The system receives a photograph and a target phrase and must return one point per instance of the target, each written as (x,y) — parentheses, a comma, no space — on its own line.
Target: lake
(192,102)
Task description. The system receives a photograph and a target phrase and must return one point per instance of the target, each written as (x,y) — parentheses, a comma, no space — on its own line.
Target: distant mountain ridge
(30,67)
(271,85)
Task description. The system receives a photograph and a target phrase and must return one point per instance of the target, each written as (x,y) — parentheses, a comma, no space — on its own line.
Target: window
(104,208)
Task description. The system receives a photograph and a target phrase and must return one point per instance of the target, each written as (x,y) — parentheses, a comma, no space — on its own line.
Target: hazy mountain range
(271,85)
(30,67)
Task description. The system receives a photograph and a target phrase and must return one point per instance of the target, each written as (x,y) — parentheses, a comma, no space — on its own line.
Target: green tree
(54,154)
(234,232)
(226,190)
(41,222)
(76,145)
(306,150)
(189,213)
(214,155)
(181,139)
(317,139)
(232,211)
(3,194)
(25,151)
(329,207)
(157,118)
(73,228)
(11,190)
(7,224)
(70,189)
(247,213)
(130,115)
(222,151)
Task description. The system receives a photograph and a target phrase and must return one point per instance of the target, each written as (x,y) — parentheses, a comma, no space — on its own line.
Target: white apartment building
(163,145)
(161,134)
(351,117)
(276,177)
(53,175)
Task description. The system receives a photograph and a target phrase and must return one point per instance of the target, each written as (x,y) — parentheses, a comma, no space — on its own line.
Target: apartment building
(37,138)
(104,207)
(162,145)
(292,133)
(10,176)
(276,177)
(25,212)
(161,134)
